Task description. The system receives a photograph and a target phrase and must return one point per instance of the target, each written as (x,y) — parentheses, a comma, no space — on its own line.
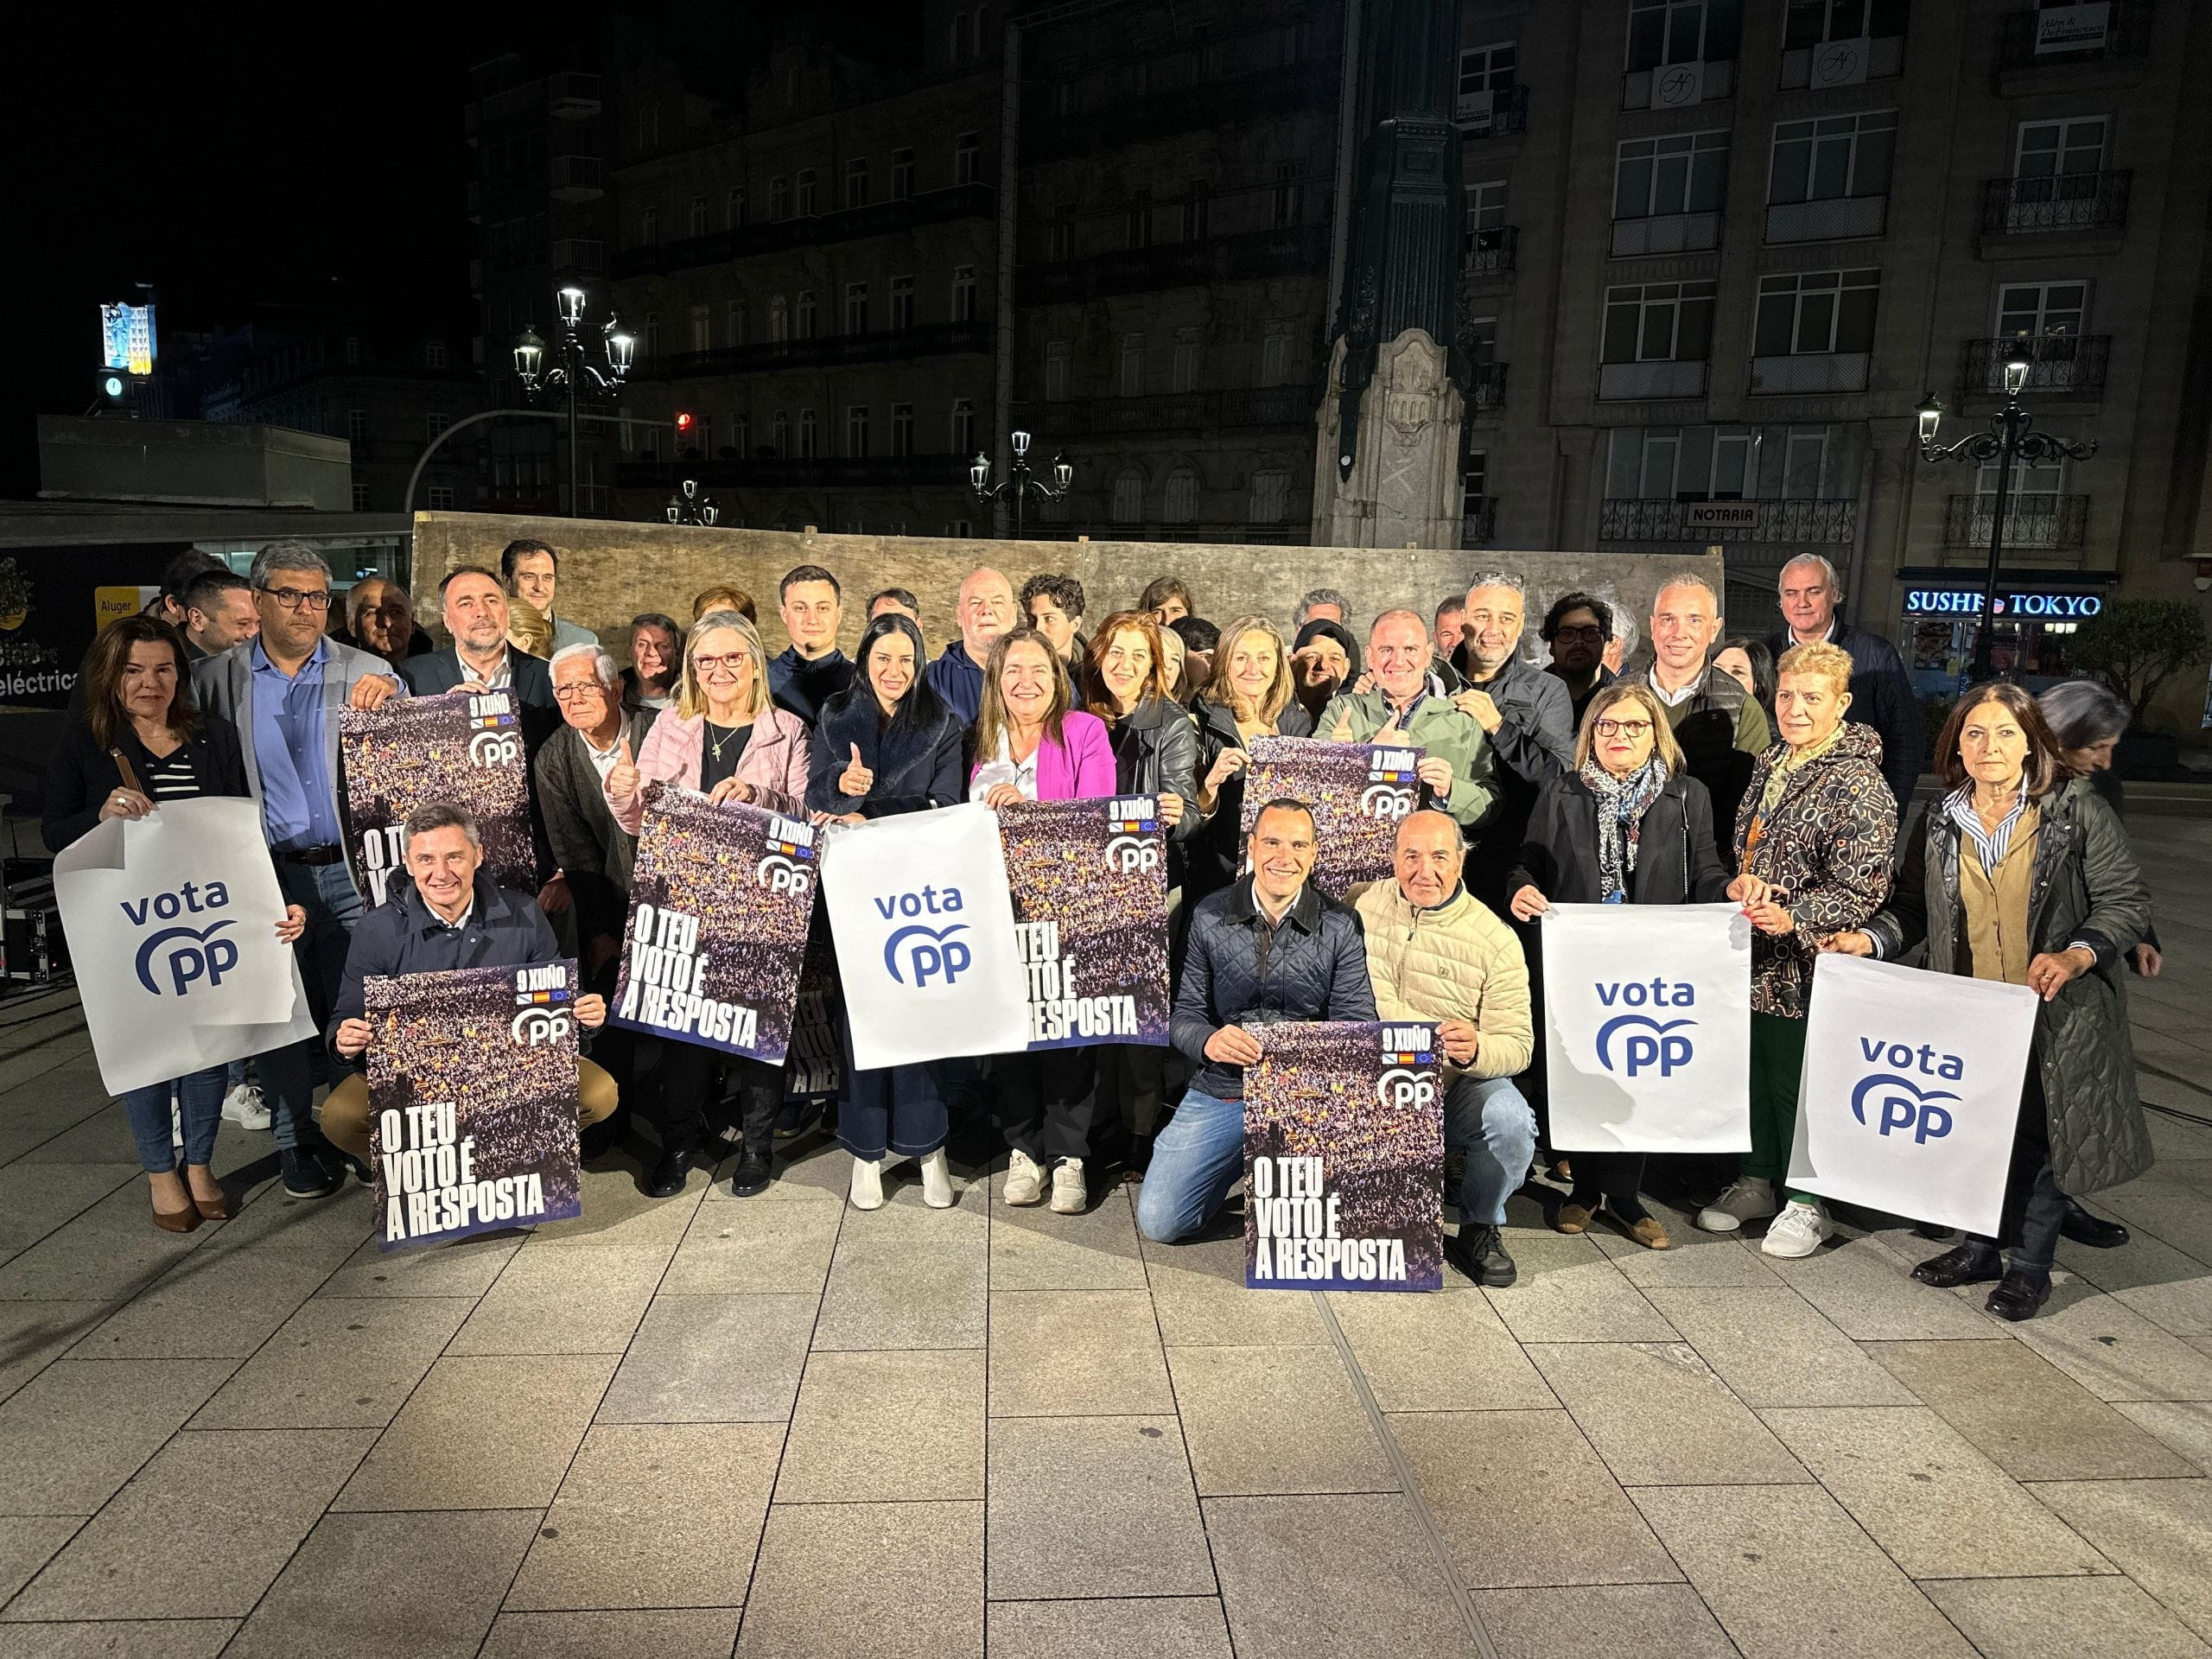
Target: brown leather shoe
(1650,1234)
(1571,1218)
(176,1221)
(215,1209)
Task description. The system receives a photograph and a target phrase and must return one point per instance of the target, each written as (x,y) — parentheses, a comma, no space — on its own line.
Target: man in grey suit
(283,692)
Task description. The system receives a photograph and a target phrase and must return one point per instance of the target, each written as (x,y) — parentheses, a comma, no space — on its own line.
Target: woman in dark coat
(889,745)
(1251,695)
(1627,826)
(2023,874)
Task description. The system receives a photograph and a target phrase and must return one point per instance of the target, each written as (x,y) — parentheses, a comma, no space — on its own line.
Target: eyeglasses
(579,691)
(1578,631)
(316,598)
(730,664)
(1622,727)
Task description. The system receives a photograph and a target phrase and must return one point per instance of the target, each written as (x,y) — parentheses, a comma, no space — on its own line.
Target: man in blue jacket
(1267,950)
(1881,690)
(444,913)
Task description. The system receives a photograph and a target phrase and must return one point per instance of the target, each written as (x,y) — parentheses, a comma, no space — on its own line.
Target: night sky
(277,156)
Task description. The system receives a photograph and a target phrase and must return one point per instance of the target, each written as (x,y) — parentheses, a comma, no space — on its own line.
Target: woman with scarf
(2024,874)
(1814,837)
(1627,826)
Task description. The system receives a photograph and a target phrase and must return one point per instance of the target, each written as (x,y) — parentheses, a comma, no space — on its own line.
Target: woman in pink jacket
(725,740)
(1031,745)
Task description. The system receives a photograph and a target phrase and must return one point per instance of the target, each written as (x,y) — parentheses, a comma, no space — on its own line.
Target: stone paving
(779,1426)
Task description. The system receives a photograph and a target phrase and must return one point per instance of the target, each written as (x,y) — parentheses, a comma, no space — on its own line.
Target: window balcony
(1494,255)
(1241,407)
(2033,519)
(1835,220)
(1664,379)
(793,473)
(580,256)
(2059,365)
(576,178)
(1814,523)
(1811,371)
(2037,40)
(2055,204)
(972,200)
(571,96)
(888,345)
(1499,112)
(1677,85)
(1834,63)
(1665,233)
(1488,389)
(1479,526)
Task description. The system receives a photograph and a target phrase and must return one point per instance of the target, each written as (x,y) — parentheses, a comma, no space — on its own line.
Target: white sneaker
(936,1181)
(1069,1196)
(243,1106)
(867,1192)
(1748,1197)
(1025,1182)
(1798,1231)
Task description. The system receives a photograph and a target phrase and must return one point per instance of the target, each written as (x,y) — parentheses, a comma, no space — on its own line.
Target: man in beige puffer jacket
(1436,953)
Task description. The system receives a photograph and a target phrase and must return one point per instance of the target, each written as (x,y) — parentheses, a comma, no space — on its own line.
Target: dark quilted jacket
(2085,886)
(1240,971)
(1826,848)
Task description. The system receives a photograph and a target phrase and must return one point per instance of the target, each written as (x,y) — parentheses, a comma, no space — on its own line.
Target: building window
(1816,312)
(856,429)
(1484,71)
(857,308)
(1131,382)
(957,48)
(1833,156)
(439,498)
(357,425)
(2060,147)
(967,158)
(809,436)
(1129,498)
(698,215)
(1197,211)
(1056,370)
(436,422)
(806,201)
(1474,483)
(902,303)
(902,175)
(1814,23)
(963,427)
(353,351)
(649,227)
(1059,233)
(1659,322)
(779,319)
(1288,204)
(360,498)
(856,182)
(780,432)
(648,127)
(806,313)
(1690,463)
(1188,349)
(1180,506)
(741,435)
(734,323)
(1139,232)
(1804,464)
(648,337)
(1270,502)
(959,527)
(963,293)
(779,199)
(1683,173)
(2040,310)
(433,354)
(702,328)
(902,428)
(1275,357)
(1683,31)
(734,208)
(1485,214)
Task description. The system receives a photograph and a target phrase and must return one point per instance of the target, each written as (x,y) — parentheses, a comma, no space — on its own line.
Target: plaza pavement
(779,1426)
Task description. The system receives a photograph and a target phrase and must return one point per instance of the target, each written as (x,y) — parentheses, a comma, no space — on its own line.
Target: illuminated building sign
(2017,602)
(127,337)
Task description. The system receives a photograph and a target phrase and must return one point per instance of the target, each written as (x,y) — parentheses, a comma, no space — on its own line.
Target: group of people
(1773,774)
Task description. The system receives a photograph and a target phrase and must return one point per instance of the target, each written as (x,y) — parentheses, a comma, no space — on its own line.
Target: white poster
(1911,1091)
(1647,1028)
(2072,28)
(172,925)
(924,922)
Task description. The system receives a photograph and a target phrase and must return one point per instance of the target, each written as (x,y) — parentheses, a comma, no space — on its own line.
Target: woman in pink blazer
(1031,745)
(725,739)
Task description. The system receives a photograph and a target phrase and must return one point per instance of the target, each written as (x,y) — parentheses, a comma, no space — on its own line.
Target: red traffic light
(683,422)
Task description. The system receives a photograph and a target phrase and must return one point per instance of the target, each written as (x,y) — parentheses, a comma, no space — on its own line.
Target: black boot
(1971,1263)
(1479,1253)
(762,1094)
(2020,1294)
(2093,1231)
(665,1179)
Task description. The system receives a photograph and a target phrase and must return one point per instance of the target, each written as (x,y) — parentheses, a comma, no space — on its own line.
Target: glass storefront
(2037,618)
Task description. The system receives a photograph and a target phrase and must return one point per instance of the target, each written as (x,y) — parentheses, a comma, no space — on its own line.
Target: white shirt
(1674,699)
(1002,768)
(603,761)
(501,678)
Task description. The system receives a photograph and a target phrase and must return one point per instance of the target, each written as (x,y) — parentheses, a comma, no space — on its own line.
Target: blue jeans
(1488,1117)
(199,1102)
(1195,1160)
(325,893)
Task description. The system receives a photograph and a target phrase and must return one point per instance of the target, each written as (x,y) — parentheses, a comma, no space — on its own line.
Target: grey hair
(1499,578)
(1827,572)
(2084,712)
(285,555)
(442,815)
(1411,616)
(602,665)
(1322,596)
(1459,829)
(1688,579)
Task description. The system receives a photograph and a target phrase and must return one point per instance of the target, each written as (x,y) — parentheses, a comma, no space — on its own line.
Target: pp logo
(1404,1090)
(1655,1046)
(535,1028)
(1132,853)
(494,749)
(780,874)
(929,953)
(192,956)
(1903,1105)
(1386,802)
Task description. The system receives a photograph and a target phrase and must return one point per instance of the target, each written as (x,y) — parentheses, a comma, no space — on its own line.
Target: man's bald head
(985,610)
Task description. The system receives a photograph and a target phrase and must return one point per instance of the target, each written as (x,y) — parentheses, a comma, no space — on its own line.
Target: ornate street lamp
(572,369)
(1021,482)
(688,506)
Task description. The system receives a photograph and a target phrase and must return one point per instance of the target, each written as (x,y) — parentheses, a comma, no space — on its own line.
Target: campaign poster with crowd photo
(463,746)
(814,1066)
(720,901)
(472,1100)
(1090,884)
(1359,792)
(1343,1157)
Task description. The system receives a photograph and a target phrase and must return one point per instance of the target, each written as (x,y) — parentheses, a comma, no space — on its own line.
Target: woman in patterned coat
(1815,837)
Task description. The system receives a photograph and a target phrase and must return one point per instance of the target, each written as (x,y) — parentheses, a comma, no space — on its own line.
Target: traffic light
(687,430)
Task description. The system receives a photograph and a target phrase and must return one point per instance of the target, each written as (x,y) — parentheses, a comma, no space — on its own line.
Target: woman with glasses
(1627,826)
(727,740)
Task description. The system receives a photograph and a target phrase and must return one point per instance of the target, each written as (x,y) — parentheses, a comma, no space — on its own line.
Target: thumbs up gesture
(856,780)
(622,778)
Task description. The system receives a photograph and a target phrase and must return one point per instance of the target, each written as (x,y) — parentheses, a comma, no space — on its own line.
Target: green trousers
(1778,1064)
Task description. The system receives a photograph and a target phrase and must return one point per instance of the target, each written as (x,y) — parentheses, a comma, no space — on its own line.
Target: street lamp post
(688,506)
(2007,442)
(572,369)
(1021,481)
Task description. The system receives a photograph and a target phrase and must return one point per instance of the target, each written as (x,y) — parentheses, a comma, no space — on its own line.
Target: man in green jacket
(1403,706)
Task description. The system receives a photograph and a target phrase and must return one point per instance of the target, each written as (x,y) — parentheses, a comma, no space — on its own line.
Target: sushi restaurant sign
(2046,607)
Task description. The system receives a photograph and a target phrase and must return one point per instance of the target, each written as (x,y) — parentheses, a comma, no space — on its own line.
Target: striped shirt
(173,780)
(1990,845)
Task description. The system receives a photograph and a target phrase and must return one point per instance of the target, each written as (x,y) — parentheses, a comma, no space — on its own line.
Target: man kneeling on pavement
(443,913)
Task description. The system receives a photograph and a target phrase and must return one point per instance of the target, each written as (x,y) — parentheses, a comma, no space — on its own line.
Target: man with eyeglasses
(282,690)
(1576,628)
